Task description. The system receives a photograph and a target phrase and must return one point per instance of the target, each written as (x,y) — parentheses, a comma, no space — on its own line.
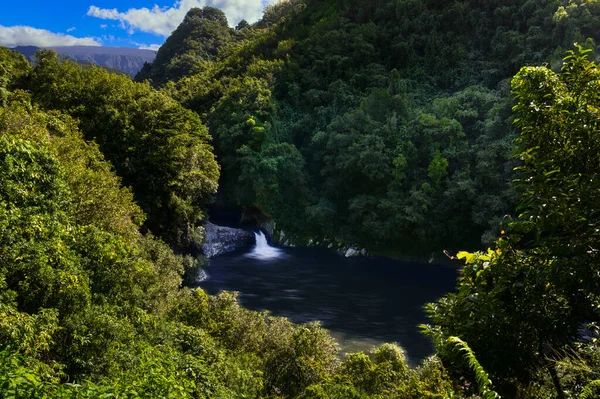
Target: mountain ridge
(125,59)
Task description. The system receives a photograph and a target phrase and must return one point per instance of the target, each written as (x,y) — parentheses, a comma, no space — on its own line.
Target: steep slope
(158,147)
(384,123)
(90,306)
(381,124)
(199,37)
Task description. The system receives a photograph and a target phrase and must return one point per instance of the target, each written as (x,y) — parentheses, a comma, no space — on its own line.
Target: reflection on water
(363,301)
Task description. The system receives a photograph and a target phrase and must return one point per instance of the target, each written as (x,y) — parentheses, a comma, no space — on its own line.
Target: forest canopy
(159,149)
(405,127)
(385,125)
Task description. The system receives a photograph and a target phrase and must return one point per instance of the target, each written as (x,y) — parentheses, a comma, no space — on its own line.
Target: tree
(521,305)
(203,32)
(158,147)
(13,66)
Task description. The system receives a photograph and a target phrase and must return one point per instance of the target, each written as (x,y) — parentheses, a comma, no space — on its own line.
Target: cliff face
(220,240)
(123,59)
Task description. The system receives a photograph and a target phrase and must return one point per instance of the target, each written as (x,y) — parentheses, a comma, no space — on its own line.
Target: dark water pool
(362,301)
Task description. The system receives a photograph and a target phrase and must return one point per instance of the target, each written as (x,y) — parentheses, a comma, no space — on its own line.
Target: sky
(127,23)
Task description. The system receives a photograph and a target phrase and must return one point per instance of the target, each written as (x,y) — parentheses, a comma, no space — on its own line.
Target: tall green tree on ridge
(158,147)
(203,32)
(520,307)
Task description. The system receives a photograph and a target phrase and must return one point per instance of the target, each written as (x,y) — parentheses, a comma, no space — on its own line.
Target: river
(363,302)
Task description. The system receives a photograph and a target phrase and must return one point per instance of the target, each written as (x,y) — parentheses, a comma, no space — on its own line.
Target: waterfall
(262,250)
(261,241)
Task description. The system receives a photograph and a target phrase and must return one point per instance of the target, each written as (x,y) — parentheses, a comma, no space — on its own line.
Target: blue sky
(130,23)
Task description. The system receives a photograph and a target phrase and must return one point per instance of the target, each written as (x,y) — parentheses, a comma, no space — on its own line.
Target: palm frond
(483,380)
(589,390)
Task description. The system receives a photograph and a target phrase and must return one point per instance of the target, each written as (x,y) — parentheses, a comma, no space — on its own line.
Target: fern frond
(589,390)
(483,380)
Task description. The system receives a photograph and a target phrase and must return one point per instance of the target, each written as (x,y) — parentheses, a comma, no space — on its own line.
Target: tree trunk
(555,380)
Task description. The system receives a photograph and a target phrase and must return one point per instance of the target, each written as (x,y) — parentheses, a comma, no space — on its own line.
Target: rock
(352,252)
(364,252)
(282,238)
(220,240)
(588,332)
(194,271)
(268,228)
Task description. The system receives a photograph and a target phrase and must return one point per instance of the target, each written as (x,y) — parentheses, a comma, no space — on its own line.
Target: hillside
(383,125)
(124,59)
(406,127)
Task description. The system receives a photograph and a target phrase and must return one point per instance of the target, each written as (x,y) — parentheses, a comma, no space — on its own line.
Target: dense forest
(406,127)
(384,125)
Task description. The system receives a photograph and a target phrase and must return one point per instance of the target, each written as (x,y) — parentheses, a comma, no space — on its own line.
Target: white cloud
(154,47)
(11,36)
(163,20)
(103,26)
(108,38)
(71,29)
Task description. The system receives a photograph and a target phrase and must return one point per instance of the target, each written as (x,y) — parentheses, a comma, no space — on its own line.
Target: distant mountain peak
(125,59)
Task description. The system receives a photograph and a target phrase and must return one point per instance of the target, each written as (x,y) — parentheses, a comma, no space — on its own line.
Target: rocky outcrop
(279,237)
(220,240)
(353,252)
(194,272)
(284,241)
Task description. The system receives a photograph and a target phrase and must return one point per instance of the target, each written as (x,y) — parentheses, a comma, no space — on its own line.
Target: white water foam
(262,250)
(202,276)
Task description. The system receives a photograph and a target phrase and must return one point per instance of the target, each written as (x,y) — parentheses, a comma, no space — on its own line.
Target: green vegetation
(157,147)
(86,299)
(198,38)
(90,307)
(521,306)
(382,124)
(385,124)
